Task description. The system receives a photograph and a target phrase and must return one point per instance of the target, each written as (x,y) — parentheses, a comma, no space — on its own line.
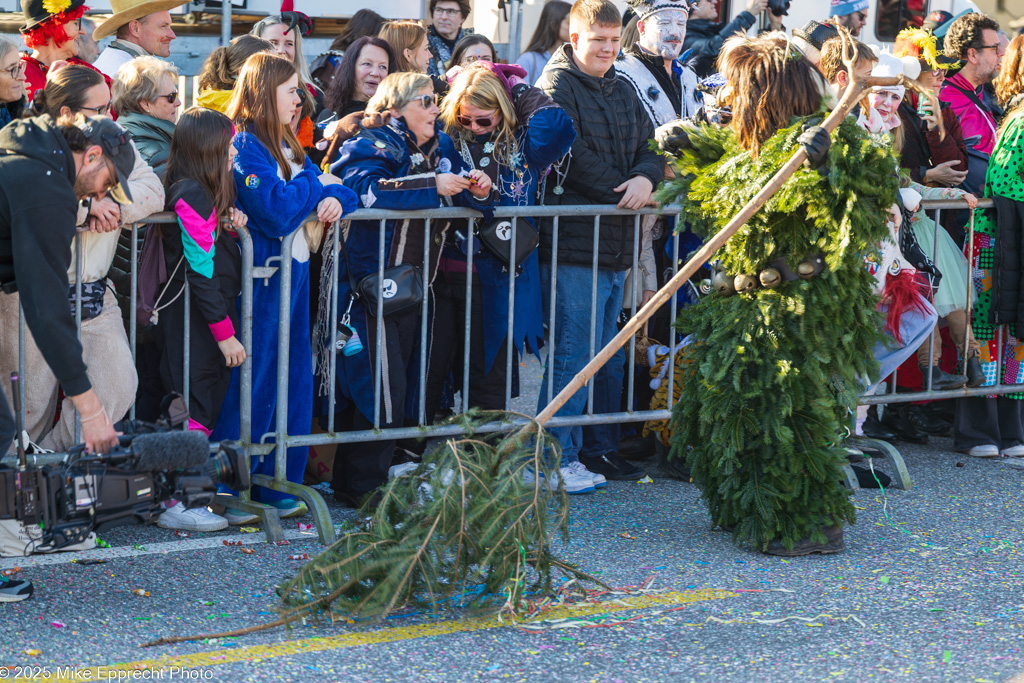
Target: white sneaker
(574,483)
(195,519)
(581,471)
(1013,452)
(986,451)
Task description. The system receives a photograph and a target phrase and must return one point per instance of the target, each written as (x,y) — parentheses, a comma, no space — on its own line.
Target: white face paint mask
(664,33)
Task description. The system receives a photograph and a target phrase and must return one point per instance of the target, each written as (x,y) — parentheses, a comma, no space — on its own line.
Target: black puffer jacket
(612,134)
(1007,273)
(706,37)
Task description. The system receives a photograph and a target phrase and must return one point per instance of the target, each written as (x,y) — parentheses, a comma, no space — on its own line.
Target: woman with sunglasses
(76,90)
(12,82)
(146,99)
(409,165)
(50,31)
(513,133)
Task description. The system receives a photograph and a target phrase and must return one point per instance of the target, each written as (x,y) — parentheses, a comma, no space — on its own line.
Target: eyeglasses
(482,121)
(426,101)
(446,12)
(100,111)
(997,47)
(171,97)
(469,59)
(17,70)
(76,25)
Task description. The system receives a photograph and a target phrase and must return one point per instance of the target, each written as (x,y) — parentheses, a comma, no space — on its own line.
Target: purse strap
(348,269)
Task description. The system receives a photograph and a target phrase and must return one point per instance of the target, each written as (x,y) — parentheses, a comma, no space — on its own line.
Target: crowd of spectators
(398,115)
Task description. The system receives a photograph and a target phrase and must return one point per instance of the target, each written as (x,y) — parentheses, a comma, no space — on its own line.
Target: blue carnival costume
(277,208)
(387,169)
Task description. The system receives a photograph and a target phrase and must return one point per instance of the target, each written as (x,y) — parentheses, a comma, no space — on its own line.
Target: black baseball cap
(116,144)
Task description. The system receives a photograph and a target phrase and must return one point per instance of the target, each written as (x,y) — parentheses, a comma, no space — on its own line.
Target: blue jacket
(544,135)
(275,207)
(387,170)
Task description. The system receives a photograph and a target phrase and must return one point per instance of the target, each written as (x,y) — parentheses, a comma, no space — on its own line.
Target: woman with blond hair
(408,164)
(277,188)
(513,133)
(994,426)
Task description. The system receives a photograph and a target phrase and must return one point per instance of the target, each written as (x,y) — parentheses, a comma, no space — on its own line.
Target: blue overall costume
(277,208)
(543,135)
(387,170)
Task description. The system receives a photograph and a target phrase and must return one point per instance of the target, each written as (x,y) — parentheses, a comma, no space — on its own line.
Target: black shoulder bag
(401,286)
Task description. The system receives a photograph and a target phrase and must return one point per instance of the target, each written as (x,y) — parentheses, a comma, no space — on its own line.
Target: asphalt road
(930,588)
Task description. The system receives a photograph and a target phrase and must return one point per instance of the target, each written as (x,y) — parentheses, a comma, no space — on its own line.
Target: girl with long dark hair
(552,31)
(200,190)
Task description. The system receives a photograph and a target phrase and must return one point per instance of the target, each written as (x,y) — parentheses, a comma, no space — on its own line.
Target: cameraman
(46,166)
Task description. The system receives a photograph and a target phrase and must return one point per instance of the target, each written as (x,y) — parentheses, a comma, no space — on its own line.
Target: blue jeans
(914,329)
(571,351)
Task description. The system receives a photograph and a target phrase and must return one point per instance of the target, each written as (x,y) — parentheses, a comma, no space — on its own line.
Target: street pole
(515,29)
(225,22)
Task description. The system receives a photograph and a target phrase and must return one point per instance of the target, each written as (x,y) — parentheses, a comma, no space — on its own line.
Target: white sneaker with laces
(986,451)
(195,519)
(581,471)
(574,483)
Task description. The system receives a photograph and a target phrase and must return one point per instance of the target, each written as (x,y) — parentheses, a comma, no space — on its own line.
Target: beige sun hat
(128,10)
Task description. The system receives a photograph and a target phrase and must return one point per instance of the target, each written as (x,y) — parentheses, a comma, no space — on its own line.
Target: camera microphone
(171,450)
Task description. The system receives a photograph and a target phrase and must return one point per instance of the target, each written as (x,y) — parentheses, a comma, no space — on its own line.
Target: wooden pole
(849,100)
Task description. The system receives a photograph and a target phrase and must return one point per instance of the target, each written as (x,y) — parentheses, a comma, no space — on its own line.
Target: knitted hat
(841,8)
(645,8)
(889,66)
(816,33)
(38,12)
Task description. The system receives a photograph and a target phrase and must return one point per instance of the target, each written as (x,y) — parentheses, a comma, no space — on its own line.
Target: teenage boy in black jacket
(610,163)
(45,168)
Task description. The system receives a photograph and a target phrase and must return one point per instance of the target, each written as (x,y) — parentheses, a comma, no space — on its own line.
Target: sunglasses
(467,121)
(170,97)
(426,101)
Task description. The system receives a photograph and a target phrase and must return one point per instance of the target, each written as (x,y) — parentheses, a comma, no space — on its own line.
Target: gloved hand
(815,141)
(672,138)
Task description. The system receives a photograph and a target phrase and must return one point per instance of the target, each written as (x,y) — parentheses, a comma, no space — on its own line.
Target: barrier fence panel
(436,223)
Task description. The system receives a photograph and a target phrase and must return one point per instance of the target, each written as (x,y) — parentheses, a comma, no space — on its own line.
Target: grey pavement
(930,588)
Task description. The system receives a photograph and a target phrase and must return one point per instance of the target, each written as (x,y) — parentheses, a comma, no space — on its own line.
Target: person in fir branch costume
(785,342)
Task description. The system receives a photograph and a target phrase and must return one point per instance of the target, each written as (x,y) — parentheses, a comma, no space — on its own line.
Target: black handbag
(402,287)
(496,237)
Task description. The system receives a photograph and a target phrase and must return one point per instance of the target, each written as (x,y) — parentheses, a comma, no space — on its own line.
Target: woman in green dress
(993,426)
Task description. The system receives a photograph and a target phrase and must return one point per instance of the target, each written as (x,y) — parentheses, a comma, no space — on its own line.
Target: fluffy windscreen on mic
(171,451)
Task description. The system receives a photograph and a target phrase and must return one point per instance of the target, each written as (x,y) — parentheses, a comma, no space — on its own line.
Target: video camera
(83,493)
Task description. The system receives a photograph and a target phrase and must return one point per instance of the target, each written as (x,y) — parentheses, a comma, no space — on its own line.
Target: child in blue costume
(408,164)
(277,187)
(513,133)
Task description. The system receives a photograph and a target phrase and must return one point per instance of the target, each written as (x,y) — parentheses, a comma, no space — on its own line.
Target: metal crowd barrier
(260,445)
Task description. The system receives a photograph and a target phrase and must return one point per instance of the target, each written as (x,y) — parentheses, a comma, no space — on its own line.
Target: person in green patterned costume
(993,426)
(779,360)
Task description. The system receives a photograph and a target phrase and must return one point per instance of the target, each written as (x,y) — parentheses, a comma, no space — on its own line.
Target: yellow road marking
(393,634)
